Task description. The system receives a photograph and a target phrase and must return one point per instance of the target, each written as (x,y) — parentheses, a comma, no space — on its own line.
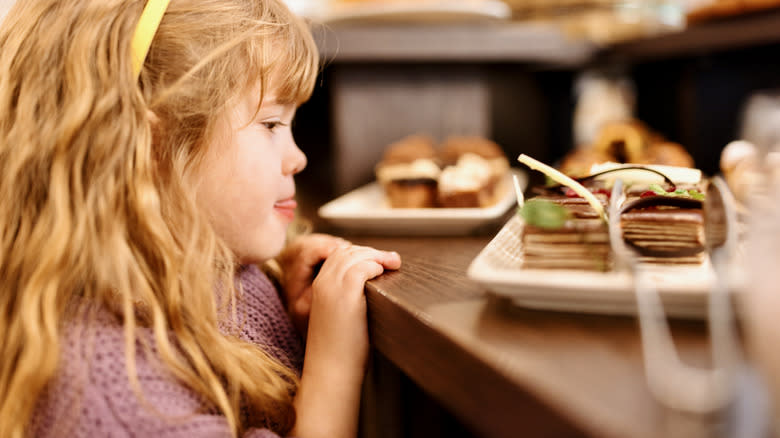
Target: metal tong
(681,388)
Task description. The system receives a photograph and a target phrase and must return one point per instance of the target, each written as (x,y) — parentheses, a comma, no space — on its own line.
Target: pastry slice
(409,173)
(664,229)
(577,239)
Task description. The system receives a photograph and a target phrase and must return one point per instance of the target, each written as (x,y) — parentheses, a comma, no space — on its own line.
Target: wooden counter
(506,371)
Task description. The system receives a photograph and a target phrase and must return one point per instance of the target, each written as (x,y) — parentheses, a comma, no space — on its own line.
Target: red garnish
(571,193)
(648,194)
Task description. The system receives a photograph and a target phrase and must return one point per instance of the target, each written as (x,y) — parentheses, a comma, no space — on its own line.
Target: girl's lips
(286,208)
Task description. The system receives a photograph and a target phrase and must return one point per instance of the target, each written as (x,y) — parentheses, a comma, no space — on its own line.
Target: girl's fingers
(390,260)
(346,256)
(354,265)
(320,246)
(367,252)
(310,251)
(365,270)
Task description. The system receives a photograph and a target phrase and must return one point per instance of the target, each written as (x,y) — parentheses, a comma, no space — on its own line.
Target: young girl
(137,193)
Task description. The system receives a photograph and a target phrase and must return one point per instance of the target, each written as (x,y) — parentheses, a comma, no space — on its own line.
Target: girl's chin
(258,256)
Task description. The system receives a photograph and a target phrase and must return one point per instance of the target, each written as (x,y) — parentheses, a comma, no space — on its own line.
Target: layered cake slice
(564,233)
(665,228)
(662,215)
(662,218)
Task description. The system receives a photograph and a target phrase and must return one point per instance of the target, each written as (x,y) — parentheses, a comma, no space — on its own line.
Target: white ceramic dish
(498,267)
(412,10)
(366,210)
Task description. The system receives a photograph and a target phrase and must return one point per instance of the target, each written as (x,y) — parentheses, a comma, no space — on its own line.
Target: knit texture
(91,396)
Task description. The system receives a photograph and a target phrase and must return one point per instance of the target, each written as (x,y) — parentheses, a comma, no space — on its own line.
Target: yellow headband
(144,32)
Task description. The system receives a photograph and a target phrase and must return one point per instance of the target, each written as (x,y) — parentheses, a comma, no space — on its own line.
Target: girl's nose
(296,161)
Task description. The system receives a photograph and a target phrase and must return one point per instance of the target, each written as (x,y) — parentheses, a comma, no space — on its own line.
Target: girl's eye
(273,125)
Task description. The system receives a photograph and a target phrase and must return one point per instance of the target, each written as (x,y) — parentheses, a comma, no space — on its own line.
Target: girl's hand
(300,261)
(338,315)
(328,398)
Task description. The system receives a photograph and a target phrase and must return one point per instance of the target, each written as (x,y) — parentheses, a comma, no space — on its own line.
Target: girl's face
(246,185)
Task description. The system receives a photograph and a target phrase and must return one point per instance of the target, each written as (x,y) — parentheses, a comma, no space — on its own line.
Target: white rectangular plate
(366,210)
(498,267)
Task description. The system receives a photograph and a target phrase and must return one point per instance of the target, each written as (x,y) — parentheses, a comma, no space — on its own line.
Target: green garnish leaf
(544,214)
(658,190)
(680,193)
(697,195)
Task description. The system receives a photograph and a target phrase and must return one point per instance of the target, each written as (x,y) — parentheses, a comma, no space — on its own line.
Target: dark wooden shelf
(477,42)
(740,32)
(533,43)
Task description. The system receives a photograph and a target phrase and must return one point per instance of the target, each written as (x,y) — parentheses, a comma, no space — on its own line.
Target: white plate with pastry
(499,268)
(367,210)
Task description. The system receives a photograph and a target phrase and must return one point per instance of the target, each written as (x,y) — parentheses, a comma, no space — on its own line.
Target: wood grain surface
(507,371)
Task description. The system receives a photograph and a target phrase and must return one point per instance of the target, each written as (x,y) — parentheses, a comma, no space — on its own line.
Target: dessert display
(661,217)
(464,172)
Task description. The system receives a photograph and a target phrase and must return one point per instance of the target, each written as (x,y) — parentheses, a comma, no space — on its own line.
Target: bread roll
(625,141)
(666,153)
(577,163)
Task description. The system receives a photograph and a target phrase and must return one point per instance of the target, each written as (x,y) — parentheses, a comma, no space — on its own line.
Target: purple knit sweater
(91,396)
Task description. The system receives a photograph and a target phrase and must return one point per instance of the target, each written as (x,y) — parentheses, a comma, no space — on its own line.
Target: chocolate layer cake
(664,229)
(580,241)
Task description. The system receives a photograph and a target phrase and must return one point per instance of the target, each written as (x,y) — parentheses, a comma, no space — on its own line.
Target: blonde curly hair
(95,198)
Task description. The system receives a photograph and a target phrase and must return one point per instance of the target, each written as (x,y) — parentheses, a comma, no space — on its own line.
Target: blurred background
(515,71)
